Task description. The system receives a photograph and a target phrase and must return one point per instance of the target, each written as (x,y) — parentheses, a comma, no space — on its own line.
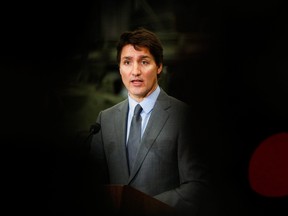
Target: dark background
(229,60)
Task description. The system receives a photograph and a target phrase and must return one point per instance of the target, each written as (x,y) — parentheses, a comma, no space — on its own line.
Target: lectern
(125,200)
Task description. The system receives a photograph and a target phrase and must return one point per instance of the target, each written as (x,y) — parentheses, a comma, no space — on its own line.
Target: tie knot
(137,110)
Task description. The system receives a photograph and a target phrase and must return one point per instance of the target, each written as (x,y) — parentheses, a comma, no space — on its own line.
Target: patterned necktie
(134,136)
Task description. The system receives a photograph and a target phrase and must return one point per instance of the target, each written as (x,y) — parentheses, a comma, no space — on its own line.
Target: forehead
(130,51)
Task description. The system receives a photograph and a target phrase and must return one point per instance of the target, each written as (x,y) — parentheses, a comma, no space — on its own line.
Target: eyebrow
(141,57)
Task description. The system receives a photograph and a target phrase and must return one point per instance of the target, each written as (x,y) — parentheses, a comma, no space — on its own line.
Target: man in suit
(166,164)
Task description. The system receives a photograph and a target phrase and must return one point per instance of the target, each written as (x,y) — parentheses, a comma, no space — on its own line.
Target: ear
(160,69)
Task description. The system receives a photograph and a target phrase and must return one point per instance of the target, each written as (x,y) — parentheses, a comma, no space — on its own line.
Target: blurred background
(228,60)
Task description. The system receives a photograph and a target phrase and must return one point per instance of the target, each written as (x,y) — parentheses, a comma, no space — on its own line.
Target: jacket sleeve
(192,194)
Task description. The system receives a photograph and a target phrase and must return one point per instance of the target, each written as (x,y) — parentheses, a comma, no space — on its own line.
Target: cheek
(124,77)
(122,74)
(152,75)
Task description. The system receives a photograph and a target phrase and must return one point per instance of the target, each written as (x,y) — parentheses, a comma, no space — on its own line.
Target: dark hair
(141,37)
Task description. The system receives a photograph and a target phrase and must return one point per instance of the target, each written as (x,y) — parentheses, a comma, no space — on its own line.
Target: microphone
(94,128)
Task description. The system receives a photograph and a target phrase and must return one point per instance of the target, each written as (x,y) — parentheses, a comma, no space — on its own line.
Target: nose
(136,69)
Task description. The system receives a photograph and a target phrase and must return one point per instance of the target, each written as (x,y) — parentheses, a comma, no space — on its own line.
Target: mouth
(136,82)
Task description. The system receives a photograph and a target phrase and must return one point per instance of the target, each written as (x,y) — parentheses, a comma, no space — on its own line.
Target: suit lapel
(120,132)
(156,122)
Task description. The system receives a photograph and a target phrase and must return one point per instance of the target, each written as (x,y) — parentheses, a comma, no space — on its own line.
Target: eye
(126,62)
(144,62)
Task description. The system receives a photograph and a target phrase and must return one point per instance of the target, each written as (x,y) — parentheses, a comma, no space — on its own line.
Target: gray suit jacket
(167,165)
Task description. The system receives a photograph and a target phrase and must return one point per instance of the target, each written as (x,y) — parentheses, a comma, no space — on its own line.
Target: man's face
(139,71)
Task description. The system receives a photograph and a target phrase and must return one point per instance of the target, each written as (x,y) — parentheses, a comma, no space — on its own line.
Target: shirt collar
(148,103)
